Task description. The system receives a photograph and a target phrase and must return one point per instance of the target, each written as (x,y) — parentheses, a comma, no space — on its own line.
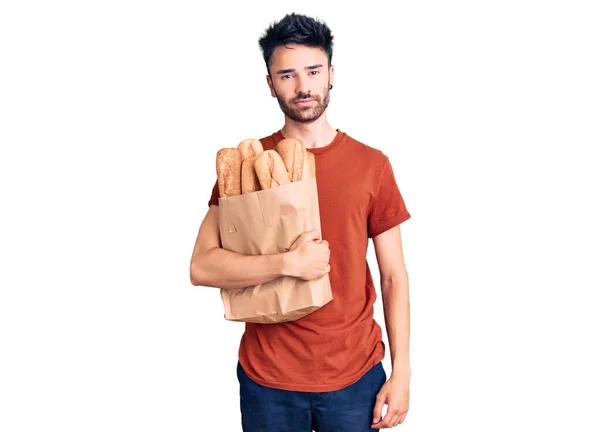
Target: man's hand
(394,393)
(309,258)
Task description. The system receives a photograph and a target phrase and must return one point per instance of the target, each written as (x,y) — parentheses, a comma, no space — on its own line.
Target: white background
(111,114)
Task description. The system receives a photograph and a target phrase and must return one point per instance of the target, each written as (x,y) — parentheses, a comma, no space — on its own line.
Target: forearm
(221,268)
(396,306)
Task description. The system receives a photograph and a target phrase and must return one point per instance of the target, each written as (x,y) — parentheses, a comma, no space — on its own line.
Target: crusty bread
(270,169)
(293,153)
(250,147)
(250,181)
(309,170)
(229,171)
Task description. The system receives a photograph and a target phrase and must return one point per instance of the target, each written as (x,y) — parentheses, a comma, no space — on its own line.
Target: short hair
(296,29)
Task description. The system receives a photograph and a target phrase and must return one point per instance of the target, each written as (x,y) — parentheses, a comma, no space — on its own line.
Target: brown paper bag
(266,222)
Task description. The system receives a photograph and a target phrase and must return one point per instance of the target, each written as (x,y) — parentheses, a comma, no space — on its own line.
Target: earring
(330,86)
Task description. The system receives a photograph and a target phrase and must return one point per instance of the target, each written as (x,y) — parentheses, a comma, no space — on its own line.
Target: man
(322,372)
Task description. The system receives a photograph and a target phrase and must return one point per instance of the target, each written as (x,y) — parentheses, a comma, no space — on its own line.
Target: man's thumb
(305,236)
(313,235)
(377,412)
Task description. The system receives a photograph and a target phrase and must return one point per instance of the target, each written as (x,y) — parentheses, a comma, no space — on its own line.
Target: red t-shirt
(335,345)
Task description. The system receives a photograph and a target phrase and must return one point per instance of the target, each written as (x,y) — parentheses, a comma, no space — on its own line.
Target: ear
(270,83)
(331,75)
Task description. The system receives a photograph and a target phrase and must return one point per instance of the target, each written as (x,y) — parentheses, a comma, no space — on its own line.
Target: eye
(286,76)
(315,72)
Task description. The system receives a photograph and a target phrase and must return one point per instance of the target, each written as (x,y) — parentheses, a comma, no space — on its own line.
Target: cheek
(285,91)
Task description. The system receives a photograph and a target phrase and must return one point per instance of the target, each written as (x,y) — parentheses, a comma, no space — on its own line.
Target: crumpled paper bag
(266,222)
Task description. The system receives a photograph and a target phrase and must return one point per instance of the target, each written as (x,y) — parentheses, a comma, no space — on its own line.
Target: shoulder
(370,155)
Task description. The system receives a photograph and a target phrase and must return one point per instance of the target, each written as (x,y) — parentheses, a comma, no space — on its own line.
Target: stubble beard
(304,114)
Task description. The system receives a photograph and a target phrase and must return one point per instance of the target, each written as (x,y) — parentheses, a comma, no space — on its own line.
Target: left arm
(396,305)
(395,298)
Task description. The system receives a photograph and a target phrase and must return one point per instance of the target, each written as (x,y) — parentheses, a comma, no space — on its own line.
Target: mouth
(304,101)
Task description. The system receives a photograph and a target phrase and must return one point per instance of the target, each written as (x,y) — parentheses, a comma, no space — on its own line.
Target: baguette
(309,169)
(229,172)
(293,153)
(270,169)
(250,148)
(250,181)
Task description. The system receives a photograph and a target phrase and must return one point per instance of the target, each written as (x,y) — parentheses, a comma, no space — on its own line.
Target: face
(300,81)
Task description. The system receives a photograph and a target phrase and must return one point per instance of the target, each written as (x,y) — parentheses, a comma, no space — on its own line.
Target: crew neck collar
(319,150)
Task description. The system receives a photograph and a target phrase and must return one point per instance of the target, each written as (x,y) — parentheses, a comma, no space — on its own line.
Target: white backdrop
(111,116)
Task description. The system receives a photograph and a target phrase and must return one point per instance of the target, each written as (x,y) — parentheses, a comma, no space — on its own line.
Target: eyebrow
(285,71)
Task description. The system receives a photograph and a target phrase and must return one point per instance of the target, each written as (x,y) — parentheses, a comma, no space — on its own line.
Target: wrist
(401,368)
(287,264)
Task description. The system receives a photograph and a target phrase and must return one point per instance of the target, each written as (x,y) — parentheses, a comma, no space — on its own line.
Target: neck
(314,135)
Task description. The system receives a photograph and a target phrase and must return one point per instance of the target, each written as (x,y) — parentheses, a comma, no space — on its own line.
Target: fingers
(385,423)
(402,417)
(326,244)
(392,418)
(377,409)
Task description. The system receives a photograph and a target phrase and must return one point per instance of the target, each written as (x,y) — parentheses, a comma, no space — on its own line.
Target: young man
(322,372)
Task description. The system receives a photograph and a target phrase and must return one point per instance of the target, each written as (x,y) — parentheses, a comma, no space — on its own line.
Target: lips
(304,101)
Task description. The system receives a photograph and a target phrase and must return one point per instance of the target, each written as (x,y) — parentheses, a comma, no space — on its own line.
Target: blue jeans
(350,409)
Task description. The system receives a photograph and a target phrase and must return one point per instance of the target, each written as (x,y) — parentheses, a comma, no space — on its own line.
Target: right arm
(213,266)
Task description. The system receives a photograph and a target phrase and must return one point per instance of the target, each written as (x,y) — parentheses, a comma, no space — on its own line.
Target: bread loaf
(293,153)
(309,170)
(229,171)
(250,181)
(270,170)
(250,147)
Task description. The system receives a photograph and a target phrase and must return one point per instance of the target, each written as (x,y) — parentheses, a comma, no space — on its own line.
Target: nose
(302,85)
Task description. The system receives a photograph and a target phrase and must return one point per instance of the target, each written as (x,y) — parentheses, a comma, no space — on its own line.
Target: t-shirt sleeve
(388,208)
(214,198)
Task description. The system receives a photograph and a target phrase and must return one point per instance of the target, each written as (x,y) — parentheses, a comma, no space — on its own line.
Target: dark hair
(296,29)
